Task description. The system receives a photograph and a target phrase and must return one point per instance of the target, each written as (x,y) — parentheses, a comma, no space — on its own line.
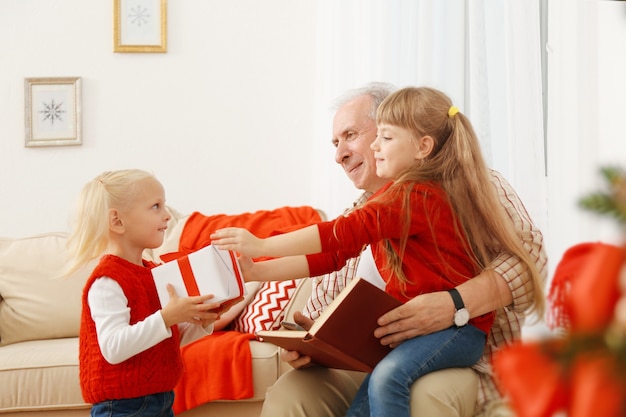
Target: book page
(368,270)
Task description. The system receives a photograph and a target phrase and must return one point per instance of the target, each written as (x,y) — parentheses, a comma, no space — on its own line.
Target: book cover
(343,336)
(206,271)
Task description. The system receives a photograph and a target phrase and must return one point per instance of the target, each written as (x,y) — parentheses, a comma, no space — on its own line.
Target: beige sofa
(39,321)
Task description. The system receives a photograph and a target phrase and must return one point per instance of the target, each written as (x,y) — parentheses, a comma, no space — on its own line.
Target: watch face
(461,317)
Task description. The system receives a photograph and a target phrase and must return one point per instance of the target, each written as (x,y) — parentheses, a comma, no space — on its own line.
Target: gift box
(206,271)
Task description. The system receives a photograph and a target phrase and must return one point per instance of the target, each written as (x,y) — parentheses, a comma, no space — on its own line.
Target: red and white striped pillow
(266,310)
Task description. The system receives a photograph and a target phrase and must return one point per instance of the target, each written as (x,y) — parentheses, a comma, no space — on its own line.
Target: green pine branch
(611,202)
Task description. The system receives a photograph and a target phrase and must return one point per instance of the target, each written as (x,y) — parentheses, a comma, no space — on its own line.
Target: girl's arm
(299,242)
(118,339)
(280,269)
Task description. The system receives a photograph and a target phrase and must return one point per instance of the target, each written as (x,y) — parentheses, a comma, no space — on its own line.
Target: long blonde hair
(90,235)
(457,164)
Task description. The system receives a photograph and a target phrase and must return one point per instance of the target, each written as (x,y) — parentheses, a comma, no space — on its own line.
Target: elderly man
(504,286)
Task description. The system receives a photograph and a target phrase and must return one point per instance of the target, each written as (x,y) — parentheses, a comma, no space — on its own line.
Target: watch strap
(456,298)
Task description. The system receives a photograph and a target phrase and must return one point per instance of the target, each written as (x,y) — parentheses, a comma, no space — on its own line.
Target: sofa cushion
(40,375)
(43,374)
(298,299)
(37,303)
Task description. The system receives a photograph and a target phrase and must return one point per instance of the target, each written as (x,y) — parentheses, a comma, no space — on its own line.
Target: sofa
(39,322)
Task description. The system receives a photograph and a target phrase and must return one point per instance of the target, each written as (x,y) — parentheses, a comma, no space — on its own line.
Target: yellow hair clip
(452,111)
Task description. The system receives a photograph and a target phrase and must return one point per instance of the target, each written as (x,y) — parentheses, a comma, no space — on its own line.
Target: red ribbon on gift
(233,260)
(189,278)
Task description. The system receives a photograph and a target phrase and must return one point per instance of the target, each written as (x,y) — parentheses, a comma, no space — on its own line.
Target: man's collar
(362,199)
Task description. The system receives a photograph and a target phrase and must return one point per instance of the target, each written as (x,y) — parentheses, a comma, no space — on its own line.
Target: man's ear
(425,146)
(115,221)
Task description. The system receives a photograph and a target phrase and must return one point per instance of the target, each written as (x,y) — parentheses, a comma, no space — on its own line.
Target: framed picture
(52,110)
(140,26)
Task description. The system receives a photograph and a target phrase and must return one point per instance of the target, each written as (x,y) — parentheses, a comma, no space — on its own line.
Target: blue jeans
(386,391)
(155,405)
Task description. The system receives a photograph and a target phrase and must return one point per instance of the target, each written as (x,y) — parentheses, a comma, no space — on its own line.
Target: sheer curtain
(485,55)
(586,93)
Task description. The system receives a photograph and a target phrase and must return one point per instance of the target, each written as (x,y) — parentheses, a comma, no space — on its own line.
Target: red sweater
(154,370)
(434,258)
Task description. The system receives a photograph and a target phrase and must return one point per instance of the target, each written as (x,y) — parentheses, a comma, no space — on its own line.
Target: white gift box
(205,271)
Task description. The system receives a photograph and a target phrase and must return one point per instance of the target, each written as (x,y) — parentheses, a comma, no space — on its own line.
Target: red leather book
(343,336)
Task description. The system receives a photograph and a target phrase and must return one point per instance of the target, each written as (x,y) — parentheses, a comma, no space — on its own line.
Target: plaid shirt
(509,320)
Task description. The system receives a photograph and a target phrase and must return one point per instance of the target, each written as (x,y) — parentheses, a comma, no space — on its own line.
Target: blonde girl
(438,223)
(129,347)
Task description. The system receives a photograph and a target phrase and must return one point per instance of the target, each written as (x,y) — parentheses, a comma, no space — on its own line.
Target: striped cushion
(266,310)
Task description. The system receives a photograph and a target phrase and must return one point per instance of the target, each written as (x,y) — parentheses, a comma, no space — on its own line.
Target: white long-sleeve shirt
(117,338)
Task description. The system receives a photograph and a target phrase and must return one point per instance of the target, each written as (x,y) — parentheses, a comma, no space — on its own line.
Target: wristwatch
(461,315)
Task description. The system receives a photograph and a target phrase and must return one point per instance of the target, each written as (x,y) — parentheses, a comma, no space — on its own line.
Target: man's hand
(293,357)
(424,314)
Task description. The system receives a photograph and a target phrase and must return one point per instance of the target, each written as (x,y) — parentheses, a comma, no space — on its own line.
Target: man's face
(353,133)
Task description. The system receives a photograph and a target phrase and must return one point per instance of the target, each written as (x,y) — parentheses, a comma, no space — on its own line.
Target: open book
(343,336)
(206,271)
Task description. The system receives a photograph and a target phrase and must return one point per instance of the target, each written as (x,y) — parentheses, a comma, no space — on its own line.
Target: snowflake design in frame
(52,111)
(139,15)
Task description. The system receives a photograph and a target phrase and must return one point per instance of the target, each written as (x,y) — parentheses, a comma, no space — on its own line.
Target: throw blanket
(219,366)
(198,229)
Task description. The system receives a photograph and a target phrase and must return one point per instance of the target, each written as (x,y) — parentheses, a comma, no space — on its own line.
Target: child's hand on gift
(189,309)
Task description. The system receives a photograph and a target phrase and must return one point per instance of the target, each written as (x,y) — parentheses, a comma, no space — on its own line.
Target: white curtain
(486,55)
(586,90)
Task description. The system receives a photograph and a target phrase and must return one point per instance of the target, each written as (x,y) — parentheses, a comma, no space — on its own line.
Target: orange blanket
(219,366)
(197,231)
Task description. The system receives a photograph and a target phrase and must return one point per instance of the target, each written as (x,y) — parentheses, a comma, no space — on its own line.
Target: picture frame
(140,25)
(52,111)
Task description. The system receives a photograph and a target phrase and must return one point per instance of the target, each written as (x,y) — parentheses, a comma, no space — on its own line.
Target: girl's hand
(238,240)
(189,309)
(246,263)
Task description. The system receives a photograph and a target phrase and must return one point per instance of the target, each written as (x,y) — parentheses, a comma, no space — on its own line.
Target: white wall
(223,118)
(232,118)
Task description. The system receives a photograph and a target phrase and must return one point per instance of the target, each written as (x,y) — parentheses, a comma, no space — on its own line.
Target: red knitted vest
(154,370)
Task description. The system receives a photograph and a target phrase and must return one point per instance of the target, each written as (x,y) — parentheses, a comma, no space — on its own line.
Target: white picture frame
(140,25)
(52,111)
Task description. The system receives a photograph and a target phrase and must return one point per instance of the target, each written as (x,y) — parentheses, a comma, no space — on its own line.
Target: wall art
(140,25)
(52,111)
